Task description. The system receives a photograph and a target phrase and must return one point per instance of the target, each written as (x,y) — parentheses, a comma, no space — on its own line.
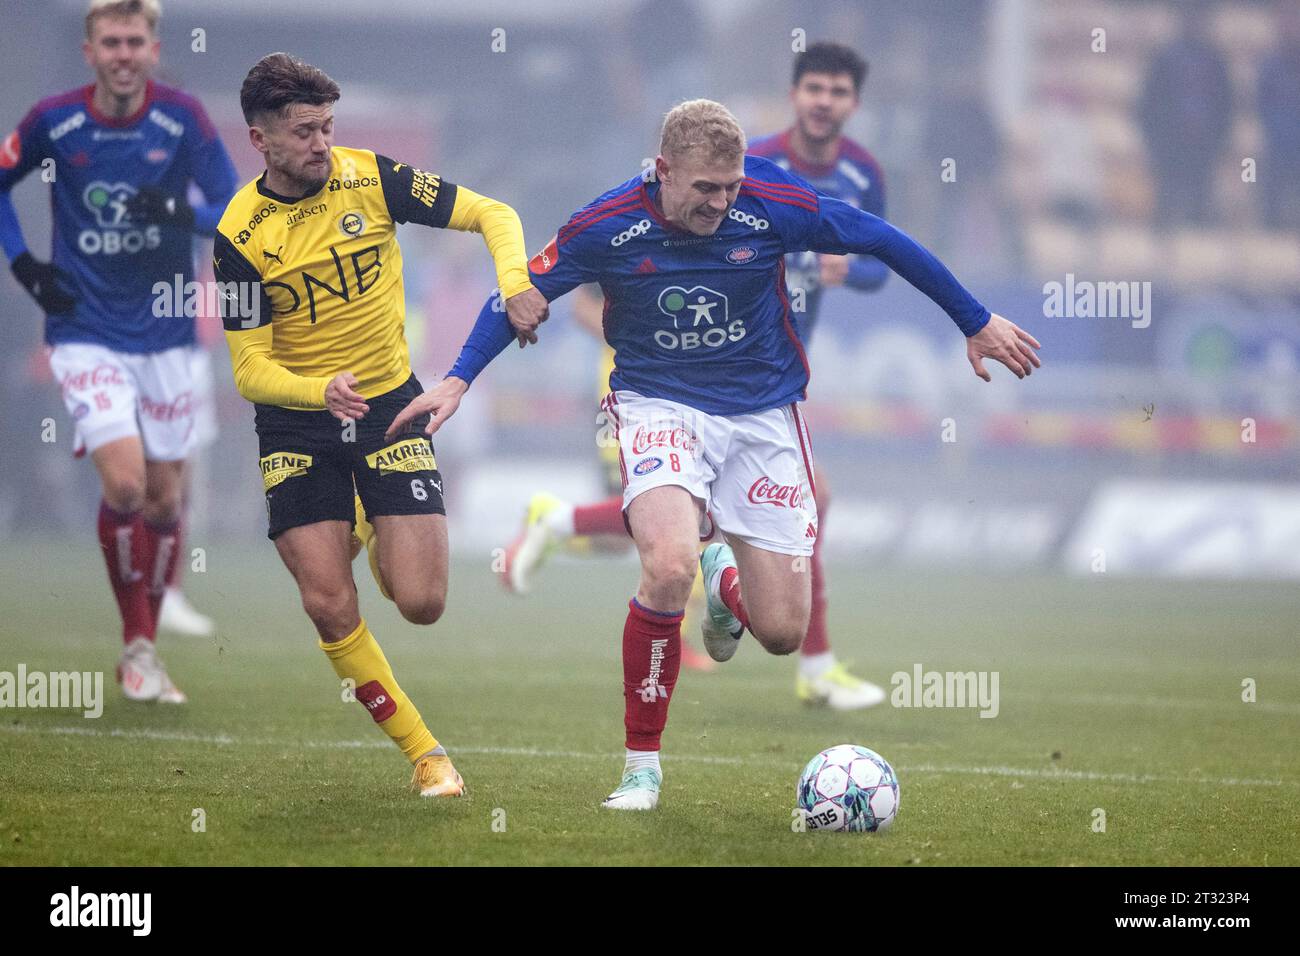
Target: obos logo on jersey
(108,203)
(694,307)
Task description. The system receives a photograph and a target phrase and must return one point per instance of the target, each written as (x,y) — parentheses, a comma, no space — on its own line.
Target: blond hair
(151,10)
(704,126)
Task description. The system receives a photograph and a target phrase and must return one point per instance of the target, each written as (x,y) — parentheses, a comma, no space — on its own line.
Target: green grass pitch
(1118,695)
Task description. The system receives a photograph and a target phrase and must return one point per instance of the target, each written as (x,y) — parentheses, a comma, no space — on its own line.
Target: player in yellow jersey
(313,308)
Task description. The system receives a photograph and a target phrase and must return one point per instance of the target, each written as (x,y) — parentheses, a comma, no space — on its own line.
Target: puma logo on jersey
(273,255)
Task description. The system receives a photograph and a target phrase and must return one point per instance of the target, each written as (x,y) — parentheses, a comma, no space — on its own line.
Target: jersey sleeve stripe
(573,229)
(787,188)
(602,204)
(798,196)
(787,200)
(589,214)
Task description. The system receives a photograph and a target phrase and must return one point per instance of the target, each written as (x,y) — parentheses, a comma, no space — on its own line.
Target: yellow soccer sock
(359,658)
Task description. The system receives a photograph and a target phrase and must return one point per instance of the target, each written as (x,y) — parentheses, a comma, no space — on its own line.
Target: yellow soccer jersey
(318,279)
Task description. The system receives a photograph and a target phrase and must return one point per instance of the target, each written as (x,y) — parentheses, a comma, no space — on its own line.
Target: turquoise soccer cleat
(720,628)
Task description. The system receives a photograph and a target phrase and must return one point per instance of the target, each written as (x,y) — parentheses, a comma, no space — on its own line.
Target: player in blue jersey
(121,155)
(825,92)
(709,371)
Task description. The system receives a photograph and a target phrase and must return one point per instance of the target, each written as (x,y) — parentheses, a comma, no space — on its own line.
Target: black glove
(153,205)
(42,279)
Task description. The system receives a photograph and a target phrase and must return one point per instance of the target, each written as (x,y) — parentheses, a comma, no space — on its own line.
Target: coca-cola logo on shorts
(96,377)
(765,491)
(643,439)
(180,407)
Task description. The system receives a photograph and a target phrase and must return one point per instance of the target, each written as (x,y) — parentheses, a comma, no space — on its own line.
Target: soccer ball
(848,787)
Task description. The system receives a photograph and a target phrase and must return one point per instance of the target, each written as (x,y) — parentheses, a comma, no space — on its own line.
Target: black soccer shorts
(311,461)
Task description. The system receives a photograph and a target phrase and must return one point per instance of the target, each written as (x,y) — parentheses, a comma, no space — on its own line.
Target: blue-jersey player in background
(709,371)
(826,90)
(120,156)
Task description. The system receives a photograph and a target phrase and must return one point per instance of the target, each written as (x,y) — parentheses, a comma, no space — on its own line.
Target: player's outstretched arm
(413,195)
(441,402)
(559,268)
(1004,342)
(840,228)
(491,334)
(499,224)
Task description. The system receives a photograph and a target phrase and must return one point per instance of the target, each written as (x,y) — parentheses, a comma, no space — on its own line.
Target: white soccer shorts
(112,395)
(753,472)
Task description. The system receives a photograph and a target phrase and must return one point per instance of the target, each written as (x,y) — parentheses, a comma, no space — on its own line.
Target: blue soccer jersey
(98,163)
(855,178)
(706,320)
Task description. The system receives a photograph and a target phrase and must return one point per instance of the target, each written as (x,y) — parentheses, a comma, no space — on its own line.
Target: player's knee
(781,637)
(163,505)
(423,608)
(331,610)
(781,642)
(668,576)
(124,492)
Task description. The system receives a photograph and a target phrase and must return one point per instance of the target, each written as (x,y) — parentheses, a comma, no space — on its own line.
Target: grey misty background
(1117,166)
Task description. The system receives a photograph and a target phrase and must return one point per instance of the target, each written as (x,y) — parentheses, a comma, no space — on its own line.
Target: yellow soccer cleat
(536,542)
(838,689)
(435,777)
(363,536)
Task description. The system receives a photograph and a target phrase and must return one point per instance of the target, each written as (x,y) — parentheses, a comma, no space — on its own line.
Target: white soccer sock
(637,759)
(560,520)
(813,666)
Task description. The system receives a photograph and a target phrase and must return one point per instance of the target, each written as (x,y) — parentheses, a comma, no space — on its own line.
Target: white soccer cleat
(720,629)
(528,552)
(138,671)
(639,790)
(170,693)
(178,616)
(838,689)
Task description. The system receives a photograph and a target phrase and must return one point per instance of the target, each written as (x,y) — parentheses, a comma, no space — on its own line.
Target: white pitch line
(1093,775)
(1122,700)
(377,744)
(225,740)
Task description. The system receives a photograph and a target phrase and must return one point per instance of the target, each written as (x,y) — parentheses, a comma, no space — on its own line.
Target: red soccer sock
(817,640)
(121,538)
(652,657)
(729,589)
(159,563)
(603,518)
